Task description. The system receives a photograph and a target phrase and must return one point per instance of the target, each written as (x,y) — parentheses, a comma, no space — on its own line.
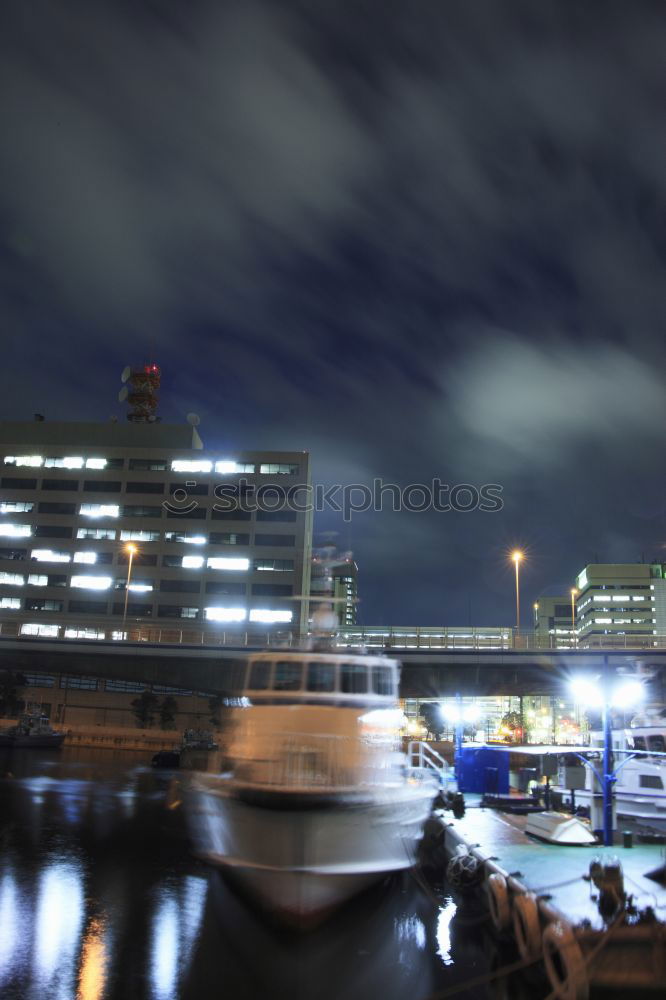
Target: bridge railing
(398,639)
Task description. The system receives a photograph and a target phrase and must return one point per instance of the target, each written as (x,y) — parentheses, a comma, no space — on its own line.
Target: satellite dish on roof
(126,372)
(122,395)
(193,419)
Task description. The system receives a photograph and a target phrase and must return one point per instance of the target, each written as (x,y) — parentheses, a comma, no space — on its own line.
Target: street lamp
(517,557)
(627,694)
(131,550)
(574,637)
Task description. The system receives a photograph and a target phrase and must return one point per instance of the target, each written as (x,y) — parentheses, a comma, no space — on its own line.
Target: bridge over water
(471,662)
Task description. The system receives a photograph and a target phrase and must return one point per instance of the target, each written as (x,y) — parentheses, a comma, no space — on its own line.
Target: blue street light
(627,694)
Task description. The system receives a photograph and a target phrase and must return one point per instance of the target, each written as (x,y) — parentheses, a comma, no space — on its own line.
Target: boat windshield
(322,677)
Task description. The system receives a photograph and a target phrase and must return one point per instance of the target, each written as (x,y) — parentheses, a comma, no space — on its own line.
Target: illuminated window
(10,603)
(274,565)
(69,462)
(224,562)
(192,562)
(98,534)
(266,616)
(184,536)
(46,631)
(95,463)
(139,536)
(16,507)
(85,557)
(229,468)
(83,633)
(99,509)
(187,465)
(91,582)
(15,530)
(38,580)
(278,469)
(12,579)
(48,555)
(30,460)
(225,614)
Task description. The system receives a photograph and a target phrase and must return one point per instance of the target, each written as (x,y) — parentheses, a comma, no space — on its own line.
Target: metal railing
(398,639)
(424,759)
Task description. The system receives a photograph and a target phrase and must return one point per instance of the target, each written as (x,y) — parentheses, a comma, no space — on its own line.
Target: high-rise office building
(82,511)
(623,599)
(335,576)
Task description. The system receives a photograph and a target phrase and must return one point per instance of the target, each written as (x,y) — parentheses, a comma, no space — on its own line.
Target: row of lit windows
(238,564)
(99,510)
(223,614)
(224,467)
(216,538)
(144,586)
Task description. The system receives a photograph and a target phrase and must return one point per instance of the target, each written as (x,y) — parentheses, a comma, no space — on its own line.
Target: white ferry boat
(640,789)
(319,801)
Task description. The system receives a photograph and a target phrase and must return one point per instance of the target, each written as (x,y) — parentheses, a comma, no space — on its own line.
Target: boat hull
(301,855)
(45,741)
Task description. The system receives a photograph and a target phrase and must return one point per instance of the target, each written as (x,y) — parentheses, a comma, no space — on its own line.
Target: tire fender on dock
(526,925)
(565,965)
(498,901)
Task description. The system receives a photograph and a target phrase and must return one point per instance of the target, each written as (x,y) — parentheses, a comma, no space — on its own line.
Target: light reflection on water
(100,899)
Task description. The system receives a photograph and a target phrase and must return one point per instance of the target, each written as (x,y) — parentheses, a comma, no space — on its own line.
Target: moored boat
(319,802)
(33,730)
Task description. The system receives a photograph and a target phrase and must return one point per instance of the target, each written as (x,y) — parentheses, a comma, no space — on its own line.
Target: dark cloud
(418,244)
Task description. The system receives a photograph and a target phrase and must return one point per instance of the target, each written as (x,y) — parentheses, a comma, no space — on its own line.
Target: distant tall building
(335,576)
(623,599)
(76,498)
(554,622)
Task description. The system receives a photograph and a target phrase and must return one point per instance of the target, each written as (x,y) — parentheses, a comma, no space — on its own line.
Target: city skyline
(437,256)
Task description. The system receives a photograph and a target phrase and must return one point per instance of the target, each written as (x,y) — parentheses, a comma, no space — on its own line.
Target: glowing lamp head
(131,549)
(627,694)
(574,591)
(587,692)
(517,556)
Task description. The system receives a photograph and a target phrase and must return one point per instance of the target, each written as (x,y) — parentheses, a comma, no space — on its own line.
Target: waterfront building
(139,523)
(623,599)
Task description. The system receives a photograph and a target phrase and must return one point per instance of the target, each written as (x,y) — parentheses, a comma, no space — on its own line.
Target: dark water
(100,898)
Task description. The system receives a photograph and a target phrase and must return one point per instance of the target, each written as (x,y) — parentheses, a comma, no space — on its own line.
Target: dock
(593,922)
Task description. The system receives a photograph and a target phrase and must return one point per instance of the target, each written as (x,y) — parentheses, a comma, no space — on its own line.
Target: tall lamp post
(627,694)
(574,637)
(131,550)
(517,557)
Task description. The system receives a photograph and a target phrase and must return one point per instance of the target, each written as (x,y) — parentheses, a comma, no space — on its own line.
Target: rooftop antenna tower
(141,393)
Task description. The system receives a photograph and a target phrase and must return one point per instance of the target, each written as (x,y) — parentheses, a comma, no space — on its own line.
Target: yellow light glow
(131,548)
(517,555)
(574,591)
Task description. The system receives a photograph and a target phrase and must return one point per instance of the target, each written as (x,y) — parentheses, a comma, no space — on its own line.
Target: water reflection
(94,958)
(100,899)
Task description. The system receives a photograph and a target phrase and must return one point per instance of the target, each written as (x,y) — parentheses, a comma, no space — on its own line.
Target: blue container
(484,771)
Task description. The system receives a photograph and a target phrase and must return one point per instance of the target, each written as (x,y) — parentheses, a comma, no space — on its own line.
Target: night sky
(419,240)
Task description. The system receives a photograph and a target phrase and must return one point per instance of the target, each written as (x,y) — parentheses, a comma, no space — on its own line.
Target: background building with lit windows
(623,599)
(74,496)
(335,576)
(554,621)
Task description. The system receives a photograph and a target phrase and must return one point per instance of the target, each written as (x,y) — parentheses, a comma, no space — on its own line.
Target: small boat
(199,739)
(33,730)
(319,801)
(640,789)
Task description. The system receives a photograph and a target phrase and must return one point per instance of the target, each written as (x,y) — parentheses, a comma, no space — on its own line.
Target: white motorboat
(319,801)
(33,731)
(640,789)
